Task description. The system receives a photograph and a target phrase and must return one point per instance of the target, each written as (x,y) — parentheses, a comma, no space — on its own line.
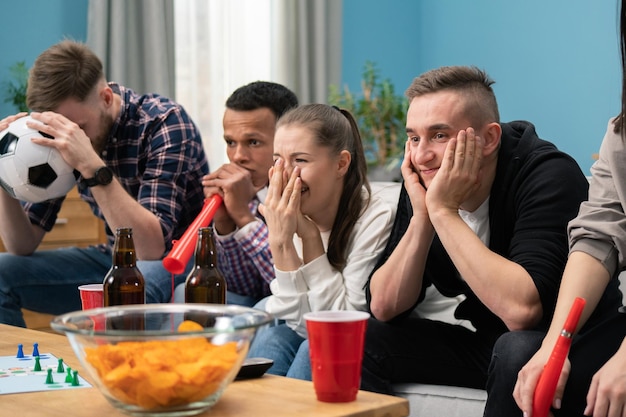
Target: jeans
(510,353)
(301,366)
(231,297)
(288,350)
(47,281)
(282,345)
(589,351)
(423,351)
(242,300)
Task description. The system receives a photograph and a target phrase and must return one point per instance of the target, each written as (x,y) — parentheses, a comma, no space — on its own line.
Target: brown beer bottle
(124,283)
(205,283)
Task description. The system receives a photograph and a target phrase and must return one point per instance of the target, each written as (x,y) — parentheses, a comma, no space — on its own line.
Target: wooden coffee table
(267,396)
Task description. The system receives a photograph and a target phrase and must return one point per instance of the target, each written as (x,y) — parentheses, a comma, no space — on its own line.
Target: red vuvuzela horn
(546,386)
(183,248)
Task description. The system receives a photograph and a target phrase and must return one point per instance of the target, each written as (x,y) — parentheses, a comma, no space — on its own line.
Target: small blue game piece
(60,368)
(49,379)
(75,380)
(37,367)
(68,377)
(20,351)
(35,349)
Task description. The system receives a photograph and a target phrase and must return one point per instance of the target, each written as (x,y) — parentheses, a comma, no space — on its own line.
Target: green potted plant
(15,89)
(380,114)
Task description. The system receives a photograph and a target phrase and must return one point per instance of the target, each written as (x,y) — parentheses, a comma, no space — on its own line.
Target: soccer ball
(31,172)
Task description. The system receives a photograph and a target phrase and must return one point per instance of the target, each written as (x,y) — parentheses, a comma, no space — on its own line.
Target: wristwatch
(102,176)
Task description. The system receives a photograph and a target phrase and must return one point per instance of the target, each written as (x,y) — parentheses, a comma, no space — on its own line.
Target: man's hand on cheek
(458,175)
(413,182)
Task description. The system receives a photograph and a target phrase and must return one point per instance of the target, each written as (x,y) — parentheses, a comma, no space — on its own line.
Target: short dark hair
(260,94)
(471,82)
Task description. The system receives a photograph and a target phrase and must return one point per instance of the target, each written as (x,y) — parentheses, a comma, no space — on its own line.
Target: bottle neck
(206,253)
(124,250)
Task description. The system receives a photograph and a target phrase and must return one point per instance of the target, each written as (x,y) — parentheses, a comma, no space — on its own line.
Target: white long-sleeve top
(318,286)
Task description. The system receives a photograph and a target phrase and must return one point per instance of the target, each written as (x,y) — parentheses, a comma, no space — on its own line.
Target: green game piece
(49,379)
(37,364)
(75,381)
(68,377)
(60,368)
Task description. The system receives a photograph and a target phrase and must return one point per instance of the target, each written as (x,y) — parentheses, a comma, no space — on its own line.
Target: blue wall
(31,26)
(555,63)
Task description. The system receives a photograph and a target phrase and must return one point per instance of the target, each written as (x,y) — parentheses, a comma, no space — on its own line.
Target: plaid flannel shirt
(245,258)
(156,153)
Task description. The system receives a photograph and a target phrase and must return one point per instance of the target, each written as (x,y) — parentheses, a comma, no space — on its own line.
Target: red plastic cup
(91,296)
(336,349)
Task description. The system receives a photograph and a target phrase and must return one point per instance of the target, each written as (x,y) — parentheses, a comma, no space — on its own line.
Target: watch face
(104,175)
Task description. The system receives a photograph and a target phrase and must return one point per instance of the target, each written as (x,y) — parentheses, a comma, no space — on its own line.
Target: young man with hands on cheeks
(244,252)
(140,160)
(482,213)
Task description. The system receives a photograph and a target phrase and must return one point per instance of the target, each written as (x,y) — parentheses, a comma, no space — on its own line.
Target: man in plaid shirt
(242,238)
(139,162)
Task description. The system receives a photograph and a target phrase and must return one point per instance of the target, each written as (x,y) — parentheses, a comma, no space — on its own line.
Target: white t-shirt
(435,305)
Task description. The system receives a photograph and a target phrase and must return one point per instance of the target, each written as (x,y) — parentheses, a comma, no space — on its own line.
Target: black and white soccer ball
(31,172)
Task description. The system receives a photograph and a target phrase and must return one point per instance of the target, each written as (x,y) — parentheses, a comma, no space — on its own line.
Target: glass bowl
(162,359)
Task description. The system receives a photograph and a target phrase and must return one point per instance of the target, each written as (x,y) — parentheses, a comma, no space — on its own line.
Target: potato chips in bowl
(162,359)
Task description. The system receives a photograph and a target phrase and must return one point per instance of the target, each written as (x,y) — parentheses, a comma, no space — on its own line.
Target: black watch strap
(102,176)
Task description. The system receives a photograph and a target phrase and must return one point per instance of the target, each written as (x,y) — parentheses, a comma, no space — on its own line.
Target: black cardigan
(536,191)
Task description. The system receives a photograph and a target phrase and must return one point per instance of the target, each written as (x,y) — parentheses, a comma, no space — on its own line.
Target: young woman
(326,230)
